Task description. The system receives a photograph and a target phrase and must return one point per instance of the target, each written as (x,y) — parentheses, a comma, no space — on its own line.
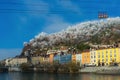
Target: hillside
(104,31)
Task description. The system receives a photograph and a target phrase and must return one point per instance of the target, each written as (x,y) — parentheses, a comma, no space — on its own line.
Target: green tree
(73,67)
(82,46)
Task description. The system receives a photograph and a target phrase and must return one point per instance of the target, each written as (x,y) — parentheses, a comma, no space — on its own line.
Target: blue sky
(21,20)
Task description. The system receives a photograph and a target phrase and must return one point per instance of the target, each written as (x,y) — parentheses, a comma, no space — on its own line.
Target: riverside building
(15,62)
(102,57)
(86,57)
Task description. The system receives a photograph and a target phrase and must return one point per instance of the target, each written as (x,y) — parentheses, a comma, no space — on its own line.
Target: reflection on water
(48,76)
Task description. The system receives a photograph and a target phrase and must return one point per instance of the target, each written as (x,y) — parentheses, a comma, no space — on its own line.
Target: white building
(15,61)
(79,58)
(51,51)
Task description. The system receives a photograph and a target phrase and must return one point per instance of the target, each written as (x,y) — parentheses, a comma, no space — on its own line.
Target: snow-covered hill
(74,34)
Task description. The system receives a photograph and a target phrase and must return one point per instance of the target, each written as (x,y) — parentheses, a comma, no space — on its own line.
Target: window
(110,59)
(91,53)
(114,51)
(106,59)
(106,55)
(114,55)
(94,56)
(102,53)
(110,51)
(102,56)
(106,51)
(110,55)
(98,56)
(102,60)
(91,56)
(98,53)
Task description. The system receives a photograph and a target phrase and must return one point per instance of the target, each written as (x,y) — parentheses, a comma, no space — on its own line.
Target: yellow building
(107,56)
(37,60)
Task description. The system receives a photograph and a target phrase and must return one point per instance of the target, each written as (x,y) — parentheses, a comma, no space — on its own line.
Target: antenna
(102,15)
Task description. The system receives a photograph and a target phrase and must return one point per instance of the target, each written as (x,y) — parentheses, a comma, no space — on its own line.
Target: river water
(49,76)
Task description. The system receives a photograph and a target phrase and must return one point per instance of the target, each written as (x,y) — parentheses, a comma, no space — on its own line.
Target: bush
(26,67)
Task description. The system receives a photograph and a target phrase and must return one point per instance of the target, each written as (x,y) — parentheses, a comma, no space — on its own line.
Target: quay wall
(94,69)
(82,70)
(12,69)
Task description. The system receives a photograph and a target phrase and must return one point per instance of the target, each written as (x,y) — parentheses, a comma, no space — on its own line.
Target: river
(49,76)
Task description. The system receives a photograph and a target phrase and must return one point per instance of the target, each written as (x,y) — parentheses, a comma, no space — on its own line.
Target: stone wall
(94,69)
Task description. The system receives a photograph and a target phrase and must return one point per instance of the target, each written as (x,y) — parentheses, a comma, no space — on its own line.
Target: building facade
(105,56)
(79,58)
(15,61)
(36,60)
(93,57)
(51,57)
(86,57)
(65,58)
(74,58)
